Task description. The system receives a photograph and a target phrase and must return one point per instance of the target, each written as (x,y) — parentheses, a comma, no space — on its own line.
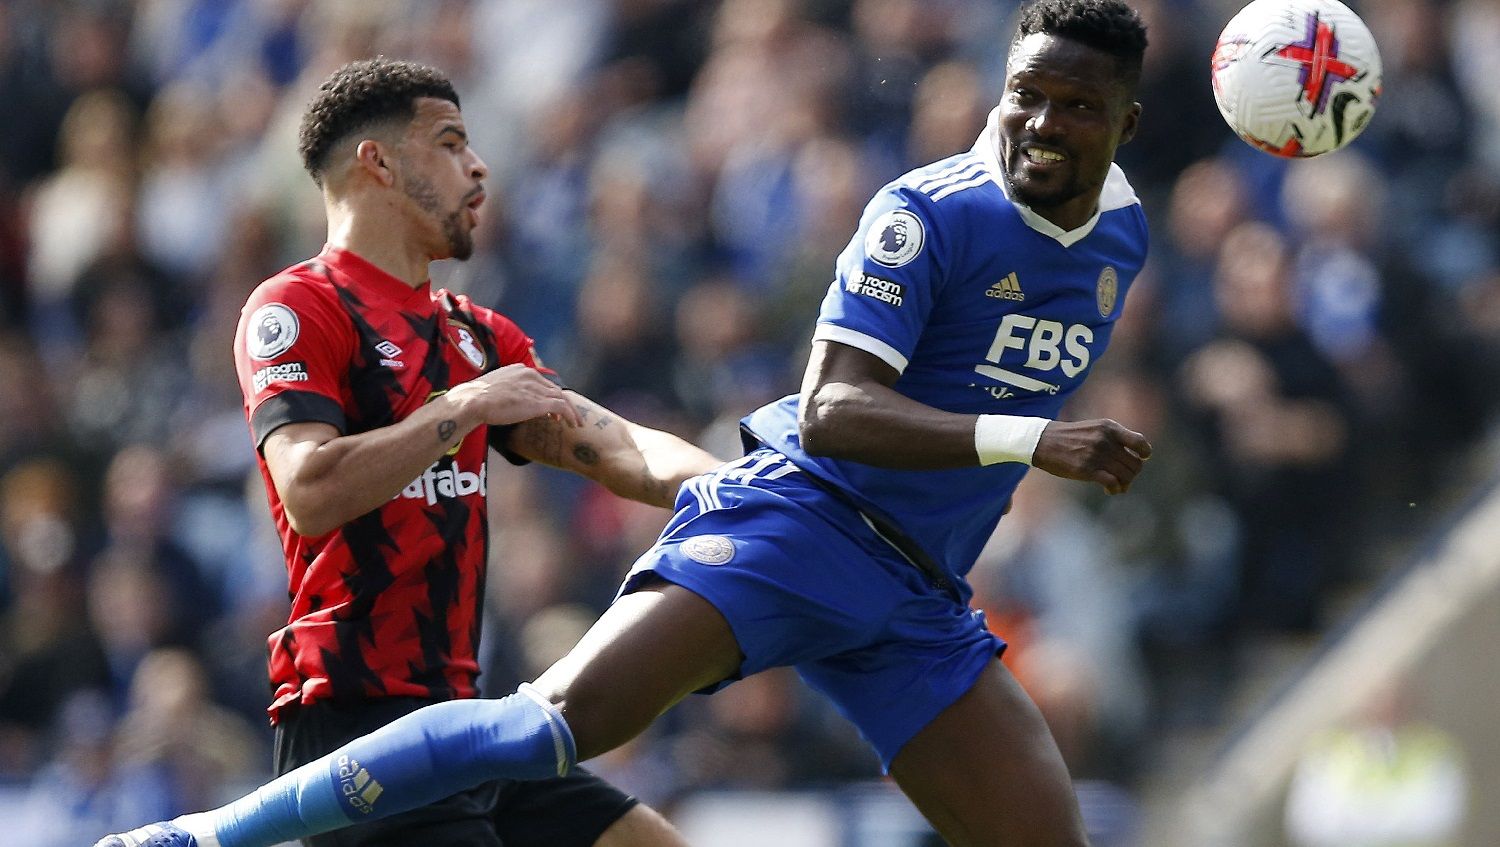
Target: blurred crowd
(1313,349)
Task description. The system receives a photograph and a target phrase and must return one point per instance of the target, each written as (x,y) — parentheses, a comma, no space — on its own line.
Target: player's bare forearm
(630,460)
(849,411)
(325,479)
(668,461)
(870,423)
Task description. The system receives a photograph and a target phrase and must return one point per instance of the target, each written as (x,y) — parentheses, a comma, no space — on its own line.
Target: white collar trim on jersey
(1117,193)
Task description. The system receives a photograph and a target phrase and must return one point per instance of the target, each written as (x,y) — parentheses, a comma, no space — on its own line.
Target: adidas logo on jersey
(1007,289)
(436,484)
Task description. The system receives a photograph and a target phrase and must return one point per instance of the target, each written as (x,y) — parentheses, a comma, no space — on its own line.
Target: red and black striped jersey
(388,604)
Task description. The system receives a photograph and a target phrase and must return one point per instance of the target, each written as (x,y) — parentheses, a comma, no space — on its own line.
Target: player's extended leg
(650,649)
(987,773)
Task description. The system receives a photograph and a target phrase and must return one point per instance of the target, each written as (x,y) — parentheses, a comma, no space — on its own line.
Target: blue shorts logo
(708,549)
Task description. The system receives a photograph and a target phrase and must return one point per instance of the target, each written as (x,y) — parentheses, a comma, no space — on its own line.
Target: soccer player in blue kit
(972,301)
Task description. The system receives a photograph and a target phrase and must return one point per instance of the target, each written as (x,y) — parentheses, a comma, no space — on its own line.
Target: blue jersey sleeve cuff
(860,341)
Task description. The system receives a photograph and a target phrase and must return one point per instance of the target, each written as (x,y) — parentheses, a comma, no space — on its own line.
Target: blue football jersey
(983,307)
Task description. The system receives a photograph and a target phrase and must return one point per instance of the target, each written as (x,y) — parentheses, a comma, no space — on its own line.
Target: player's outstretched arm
(850,411)
(631,460)
(325,479)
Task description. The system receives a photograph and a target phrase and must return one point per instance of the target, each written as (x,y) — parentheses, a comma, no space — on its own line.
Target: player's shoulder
(298,301)
(946,194)
(1117,193)
(966,175)
(305,283)
(1120,209)
(486,316)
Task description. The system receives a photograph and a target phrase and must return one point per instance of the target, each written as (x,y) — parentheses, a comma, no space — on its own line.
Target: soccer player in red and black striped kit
(373,400)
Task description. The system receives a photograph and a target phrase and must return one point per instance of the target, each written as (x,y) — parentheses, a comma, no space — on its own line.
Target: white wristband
(1007,438)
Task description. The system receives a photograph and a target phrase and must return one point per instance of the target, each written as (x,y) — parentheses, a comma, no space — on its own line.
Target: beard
(460,242)
(1036,196)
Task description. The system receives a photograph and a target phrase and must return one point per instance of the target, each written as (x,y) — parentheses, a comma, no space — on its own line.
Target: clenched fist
(1099,451)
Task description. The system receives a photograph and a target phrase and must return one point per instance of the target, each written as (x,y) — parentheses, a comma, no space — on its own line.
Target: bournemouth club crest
(463,338)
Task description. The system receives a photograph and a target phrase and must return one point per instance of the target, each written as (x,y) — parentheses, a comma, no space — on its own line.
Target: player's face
(443,177)
(1063,114)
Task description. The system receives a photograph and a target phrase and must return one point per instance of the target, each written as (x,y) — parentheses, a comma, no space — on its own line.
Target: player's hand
(516,393)
(1099,451)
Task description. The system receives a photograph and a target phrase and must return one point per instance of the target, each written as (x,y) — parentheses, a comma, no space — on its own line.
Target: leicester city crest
(895,238)
(708,549)
(1109,283)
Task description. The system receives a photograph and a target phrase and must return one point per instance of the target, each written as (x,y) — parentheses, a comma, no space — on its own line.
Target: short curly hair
(360,95)
(1109,26)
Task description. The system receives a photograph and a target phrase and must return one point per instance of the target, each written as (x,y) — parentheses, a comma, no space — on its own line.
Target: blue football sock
(430,754)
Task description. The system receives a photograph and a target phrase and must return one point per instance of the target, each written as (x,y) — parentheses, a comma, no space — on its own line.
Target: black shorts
(570,811)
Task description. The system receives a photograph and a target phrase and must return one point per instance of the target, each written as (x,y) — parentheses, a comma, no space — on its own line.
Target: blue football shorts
(805,581)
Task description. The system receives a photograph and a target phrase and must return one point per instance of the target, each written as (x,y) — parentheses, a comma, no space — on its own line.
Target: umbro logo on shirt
(388,353)
(1007,289)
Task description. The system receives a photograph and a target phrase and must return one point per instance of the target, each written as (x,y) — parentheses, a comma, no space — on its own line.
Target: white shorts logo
(272,331)
(895,238)
(708,549)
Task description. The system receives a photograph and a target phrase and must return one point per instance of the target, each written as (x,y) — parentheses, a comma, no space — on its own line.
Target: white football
(1296,78)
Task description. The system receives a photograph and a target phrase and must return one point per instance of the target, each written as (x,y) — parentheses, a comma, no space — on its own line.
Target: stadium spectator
(1380,779)
(175,732)
(84,785)
(48,653)
(81,211)
(1278,416)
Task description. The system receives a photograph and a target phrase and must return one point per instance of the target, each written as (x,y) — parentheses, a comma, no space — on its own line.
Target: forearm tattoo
(540,439)
(445,431)
(587,413)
